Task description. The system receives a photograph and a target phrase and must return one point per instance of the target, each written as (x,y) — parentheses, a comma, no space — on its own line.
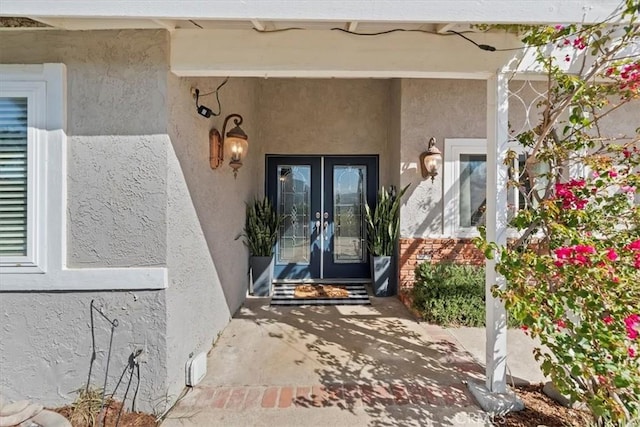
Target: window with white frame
(465,186)
(33,108)
(23,160)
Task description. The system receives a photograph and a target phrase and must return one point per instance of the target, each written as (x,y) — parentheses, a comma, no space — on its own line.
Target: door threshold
(319,281)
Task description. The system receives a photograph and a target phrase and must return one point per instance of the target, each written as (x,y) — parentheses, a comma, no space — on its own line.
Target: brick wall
(417,251)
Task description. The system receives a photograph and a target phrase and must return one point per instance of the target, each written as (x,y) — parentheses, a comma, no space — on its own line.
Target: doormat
(307,294)
(320,291)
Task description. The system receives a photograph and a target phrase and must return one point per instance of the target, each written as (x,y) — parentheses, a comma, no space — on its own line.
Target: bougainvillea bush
(573,274)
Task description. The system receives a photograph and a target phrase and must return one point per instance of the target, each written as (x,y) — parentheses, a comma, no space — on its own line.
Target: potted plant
(260,235)
(383,227)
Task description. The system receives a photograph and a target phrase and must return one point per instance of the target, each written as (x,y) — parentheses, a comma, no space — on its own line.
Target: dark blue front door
(321,199)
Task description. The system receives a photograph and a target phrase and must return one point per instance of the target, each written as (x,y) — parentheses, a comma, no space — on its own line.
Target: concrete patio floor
(340,366)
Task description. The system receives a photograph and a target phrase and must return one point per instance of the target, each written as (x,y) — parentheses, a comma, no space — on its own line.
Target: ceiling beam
(167,25)
(258,25)
(320,53)
(52,22)
(444,28)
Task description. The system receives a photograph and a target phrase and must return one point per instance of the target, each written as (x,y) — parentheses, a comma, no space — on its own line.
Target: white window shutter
(13,176)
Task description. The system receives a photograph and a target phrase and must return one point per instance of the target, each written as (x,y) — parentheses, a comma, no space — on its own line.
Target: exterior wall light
(431,160)
(235,145)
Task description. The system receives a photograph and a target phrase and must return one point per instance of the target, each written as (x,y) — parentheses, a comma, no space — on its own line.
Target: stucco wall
(457,109)
(443,109)
(207,267)
(324,116)
(116,133)
(116,82)
(394,140)
(45,344)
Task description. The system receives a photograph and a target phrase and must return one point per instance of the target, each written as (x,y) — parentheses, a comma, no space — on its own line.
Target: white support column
(496,223)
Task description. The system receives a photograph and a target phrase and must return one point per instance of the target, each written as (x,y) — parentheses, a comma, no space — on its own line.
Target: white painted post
(496,223)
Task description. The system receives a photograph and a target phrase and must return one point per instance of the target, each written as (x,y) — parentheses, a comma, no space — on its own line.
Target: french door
(321,200)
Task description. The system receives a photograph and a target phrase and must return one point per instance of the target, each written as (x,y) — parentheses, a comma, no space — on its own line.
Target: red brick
(286,397)
(221,397)
(368,395)
(202,396)
(236,399)
(400,394)
(319,396)
(253,398)
(270,397)
(352,395)
(383,395)
(417,394)
(456,395)
(303,392)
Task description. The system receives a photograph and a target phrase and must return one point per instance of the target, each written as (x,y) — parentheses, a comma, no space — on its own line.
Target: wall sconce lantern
(430,160)
(235,145)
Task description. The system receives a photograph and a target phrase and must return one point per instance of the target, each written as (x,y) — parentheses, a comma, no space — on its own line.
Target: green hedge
(450,294)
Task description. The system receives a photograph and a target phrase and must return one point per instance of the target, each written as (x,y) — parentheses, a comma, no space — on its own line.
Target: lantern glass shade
(432,163)
(235,148)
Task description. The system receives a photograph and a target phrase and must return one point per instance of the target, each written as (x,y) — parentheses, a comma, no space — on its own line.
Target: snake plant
(383,223)
(261,227)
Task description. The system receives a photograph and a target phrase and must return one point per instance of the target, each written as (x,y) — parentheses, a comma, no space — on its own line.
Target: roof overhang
(425,11)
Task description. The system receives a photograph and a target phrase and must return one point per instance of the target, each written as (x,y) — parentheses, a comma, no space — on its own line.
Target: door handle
(325,226)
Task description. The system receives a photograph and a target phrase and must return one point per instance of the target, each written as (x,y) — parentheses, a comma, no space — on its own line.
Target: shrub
(450,294)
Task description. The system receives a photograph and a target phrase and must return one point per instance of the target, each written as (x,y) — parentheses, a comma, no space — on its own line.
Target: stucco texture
(442,109)
(46,344)
(324,116)
(457,109)
(116,83)
(207,267)
(116,217)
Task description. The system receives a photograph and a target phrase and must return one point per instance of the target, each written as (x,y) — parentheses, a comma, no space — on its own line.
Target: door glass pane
(294,204)
(349,197)
(473,189)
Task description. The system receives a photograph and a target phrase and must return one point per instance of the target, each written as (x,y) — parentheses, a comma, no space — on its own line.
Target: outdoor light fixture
(235,145)
(430,160)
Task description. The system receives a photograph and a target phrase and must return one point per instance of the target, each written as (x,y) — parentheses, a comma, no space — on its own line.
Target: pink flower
(632,352)
(559,27)
(634,246)
(632,323)
(563,253)
(579,43)
(580,259)
(567,58)
(628,189)
(585,249)
(561,324)
(580,204)
(607,320)
(613,173)
(626,153)
(612,255)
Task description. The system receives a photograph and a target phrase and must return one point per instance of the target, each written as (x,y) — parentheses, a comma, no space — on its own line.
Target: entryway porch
(340,365)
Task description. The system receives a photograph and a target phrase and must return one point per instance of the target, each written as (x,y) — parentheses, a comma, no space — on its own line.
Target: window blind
(13,176)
